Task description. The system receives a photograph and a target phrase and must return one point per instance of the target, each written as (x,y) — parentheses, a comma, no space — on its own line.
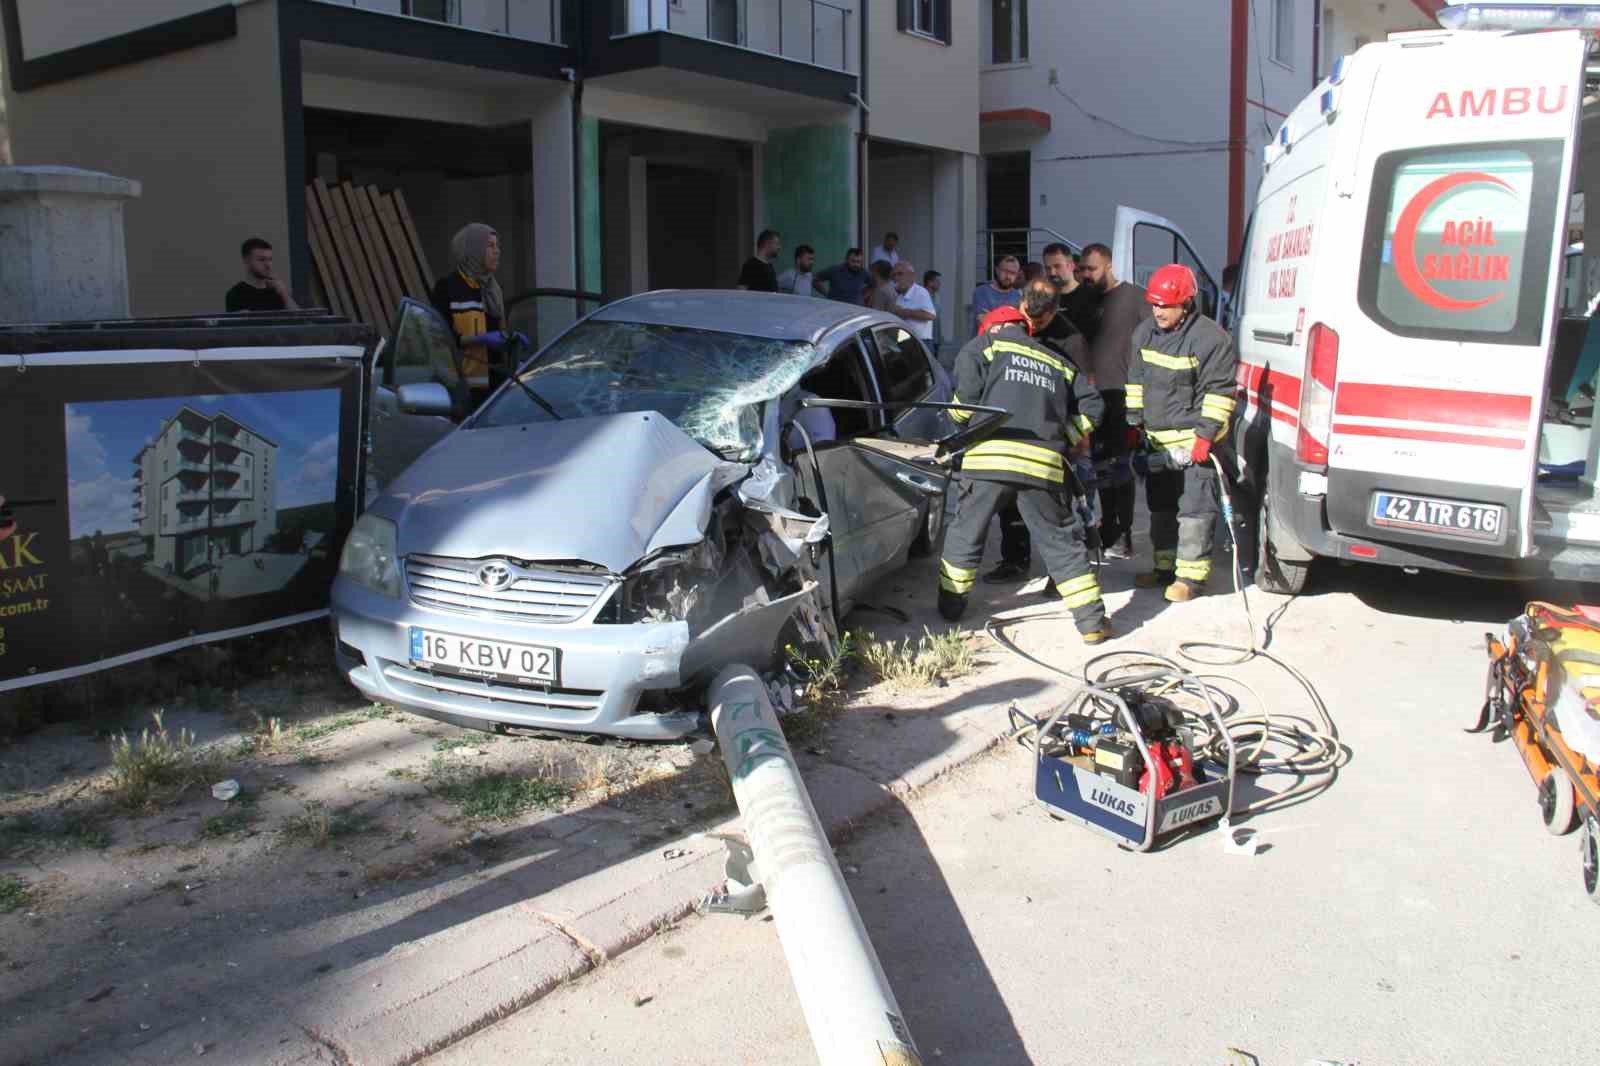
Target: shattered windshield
(711,385)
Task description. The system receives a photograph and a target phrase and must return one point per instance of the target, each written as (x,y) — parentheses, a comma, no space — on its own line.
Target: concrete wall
(50,26)
(1170,156)
(923,92)
(210,162)
(807,192)
(1349,24)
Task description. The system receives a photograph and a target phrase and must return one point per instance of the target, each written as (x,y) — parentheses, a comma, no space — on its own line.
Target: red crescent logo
(1405,241)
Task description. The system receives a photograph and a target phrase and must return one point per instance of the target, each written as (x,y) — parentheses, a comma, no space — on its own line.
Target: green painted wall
(805,180)
(590,168)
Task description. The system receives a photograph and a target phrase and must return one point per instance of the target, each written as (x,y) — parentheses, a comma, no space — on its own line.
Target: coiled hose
(1306,747)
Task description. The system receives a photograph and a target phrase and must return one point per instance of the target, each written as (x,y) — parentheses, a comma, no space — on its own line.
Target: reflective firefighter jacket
(1181,384)
(1052,407)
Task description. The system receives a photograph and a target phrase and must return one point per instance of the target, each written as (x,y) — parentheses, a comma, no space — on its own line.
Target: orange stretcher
(1543,675)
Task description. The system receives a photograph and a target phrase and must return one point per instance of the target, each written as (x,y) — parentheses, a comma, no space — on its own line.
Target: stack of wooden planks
(366,251)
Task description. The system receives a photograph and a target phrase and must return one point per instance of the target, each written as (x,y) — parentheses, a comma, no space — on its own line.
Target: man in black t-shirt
(758,274)
(1122,308)
(260,290)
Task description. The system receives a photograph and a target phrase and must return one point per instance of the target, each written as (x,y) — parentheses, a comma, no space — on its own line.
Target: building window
(1009,19)
(434,10)
(928,18)
(1283,32)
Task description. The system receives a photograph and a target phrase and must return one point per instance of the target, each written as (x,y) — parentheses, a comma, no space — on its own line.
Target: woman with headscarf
(470,299)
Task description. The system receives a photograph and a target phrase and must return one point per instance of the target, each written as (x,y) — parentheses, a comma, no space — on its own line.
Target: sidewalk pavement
(467,952)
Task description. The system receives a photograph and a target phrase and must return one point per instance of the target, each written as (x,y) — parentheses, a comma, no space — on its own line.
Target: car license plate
(1475,521)
(493,660)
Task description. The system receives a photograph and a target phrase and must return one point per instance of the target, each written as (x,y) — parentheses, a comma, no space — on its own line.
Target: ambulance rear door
(1144,243)
(1457,193)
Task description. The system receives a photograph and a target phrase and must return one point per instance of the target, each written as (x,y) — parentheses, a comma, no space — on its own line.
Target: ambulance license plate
(1452,518)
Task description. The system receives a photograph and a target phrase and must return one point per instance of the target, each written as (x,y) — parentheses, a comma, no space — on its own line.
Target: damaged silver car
(679,481)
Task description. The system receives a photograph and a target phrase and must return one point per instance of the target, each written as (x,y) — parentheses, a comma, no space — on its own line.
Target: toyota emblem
(494,576)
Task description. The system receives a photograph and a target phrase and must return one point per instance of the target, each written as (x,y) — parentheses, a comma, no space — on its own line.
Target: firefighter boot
(1099,636)
(951,605)
(1183,590)
(1154,579)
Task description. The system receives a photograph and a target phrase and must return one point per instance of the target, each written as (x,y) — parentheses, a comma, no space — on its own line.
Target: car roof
(771,316)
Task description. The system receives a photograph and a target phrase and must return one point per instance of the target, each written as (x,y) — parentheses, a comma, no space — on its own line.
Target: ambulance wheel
(1589,850)
(1558,804)
(1272,573)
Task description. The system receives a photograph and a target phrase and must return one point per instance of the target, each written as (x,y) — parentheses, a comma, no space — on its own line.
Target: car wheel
(932,527)
(1272,573)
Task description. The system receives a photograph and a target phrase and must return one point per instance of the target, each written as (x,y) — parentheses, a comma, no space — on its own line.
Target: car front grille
(533,594)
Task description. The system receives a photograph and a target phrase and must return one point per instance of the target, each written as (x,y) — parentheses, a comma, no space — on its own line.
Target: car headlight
(370,558)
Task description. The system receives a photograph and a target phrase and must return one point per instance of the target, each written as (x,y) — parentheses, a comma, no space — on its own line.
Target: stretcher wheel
(1558,804)
(1589,850)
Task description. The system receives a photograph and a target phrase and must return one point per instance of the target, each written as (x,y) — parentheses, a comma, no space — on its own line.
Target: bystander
(888,251)
(914,304)
(798,279)
(847,281)
(758,274)
(999,292)
(1122,308)
(261,289)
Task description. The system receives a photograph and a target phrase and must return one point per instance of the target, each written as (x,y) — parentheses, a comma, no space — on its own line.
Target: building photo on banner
(171,501)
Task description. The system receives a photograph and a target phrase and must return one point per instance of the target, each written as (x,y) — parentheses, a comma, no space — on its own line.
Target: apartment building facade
(617,145)
(205,487)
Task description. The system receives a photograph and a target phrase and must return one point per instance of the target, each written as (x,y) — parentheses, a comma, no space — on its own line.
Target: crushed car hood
(607,490)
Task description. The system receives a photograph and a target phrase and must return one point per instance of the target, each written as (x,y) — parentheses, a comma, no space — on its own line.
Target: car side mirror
(425,398)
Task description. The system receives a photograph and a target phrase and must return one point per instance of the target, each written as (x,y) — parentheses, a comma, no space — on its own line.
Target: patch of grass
(319,824)
(805,725)
(240,814)
(156,766)
(26,833)
(500,795)
(919,664)
(377,712)
(14,893)
(318,730)
(402,772)
(444,744)
(824,675)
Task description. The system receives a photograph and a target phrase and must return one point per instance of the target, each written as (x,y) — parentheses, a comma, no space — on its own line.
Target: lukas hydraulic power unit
(1128,762)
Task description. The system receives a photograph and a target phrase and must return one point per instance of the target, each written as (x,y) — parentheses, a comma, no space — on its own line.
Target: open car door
(422,352)
(1144,243)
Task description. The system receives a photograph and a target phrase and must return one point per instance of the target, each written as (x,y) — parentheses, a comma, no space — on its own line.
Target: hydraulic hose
(1306,747)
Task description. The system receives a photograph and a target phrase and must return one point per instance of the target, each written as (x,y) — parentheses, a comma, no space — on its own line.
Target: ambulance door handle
(1274,336)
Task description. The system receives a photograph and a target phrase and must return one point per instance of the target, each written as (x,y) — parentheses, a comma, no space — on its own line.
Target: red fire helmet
(1172,285)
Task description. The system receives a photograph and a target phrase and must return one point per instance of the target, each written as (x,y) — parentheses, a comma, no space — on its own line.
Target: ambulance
(1409,319)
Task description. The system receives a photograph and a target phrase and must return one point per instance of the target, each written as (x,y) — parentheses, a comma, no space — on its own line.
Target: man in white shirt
(887,252)
(797,279)
(913,303)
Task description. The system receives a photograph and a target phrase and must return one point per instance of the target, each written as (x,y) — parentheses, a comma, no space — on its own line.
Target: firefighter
(1181,391)
(1053,409)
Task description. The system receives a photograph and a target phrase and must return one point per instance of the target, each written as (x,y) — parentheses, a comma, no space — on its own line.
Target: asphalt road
(1416,912)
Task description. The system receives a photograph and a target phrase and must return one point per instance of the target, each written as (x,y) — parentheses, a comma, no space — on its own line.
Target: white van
(1399,316)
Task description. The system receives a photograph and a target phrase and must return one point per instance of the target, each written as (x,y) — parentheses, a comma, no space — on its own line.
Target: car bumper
(604,669)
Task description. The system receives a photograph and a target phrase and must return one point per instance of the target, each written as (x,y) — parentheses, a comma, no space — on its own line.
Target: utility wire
(1102,120)
(1261,72)
(1131,155)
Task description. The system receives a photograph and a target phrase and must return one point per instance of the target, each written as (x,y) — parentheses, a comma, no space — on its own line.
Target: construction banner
(159,496)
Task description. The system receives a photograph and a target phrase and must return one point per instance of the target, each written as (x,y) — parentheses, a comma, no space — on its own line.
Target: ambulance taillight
(1316,396)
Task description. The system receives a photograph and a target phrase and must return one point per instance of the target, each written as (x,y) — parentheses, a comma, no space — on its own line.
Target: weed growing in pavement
(377,712)
(269,734)
(824,675)
(446,744)
(240,814)
(318,824)
(143,770)
(318,730)
(14,893)
(25,834)
(496,794)
(918,664)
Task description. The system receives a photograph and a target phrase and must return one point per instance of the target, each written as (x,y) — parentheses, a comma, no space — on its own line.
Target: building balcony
(190,494)
(805,47)
(237,491)
(227,460)
(541,21)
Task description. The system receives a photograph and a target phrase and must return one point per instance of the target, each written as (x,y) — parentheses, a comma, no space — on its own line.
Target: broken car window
(711,385)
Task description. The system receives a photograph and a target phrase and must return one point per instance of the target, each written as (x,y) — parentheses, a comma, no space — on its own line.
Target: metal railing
(1026,244)
(528,20)
(811,31)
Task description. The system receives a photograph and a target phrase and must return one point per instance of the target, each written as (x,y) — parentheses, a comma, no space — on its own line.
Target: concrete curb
(407,1005)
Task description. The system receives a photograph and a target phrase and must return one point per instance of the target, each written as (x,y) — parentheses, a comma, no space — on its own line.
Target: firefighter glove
(1202,451)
